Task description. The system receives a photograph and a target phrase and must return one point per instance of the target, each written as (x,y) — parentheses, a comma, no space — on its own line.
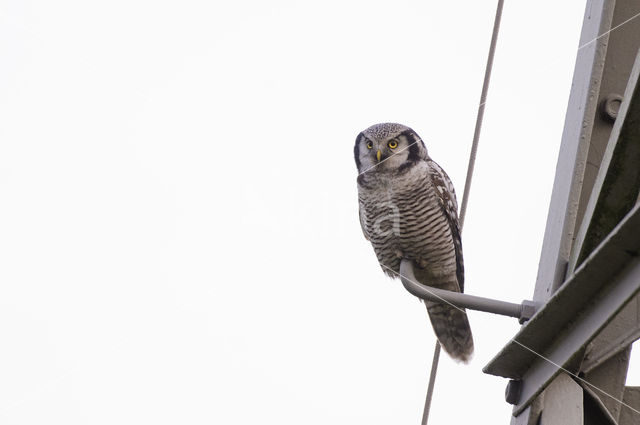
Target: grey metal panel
(609,378)
(600,287)
(531,414)
(574,149)
(563,403)
(595,412)
(615,337)
(631,398)
(617,185)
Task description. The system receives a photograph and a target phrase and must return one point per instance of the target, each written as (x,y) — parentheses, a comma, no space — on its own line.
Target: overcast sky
(179,240)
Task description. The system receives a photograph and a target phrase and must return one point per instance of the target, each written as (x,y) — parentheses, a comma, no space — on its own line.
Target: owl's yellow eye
(393,144)
(369,145)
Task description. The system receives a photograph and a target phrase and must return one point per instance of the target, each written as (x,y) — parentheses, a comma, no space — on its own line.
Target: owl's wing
(447,199)
(364,229)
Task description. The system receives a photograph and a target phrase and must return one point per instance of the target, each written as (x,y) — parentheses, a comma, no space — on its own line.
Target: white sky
(179,240)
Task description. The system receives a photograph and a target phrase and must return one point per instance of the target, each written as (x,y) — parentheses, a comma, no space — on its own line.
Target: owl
(408,211)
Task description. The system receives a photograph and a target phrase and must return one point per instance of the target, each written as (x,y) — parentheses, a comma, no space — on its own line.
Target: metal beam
(574,149)
(522,311)
(617,184)
(622,45)
(601,286)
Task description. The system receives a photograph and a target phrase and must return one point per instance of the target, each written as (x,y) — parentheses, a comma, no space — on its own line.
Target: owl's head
(388,147)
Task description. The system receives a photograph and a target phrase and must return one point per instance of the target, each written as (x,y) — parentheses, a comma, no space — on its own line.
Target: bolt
(610,106)
(512,393)
(528,309)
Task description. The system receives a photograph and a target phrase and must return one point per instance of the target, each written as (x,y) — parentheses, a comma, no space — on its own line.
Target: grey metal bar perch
(523,311)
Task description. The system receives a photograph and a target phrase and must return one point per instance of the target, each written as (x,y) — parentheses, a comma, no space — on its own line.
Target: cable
(467,185)
(483,100)
(432,381)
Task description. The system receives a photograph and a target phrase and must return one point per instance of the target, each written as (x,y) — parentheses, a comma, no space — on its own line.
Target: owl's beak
(378,154)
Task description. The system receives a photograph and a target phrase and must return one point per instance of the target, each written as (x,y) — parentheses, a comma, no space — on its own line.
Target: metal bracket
(522,312)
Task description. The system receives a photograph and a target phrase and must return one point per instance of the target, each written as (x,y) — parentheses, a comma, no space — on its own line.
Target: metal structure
(568,364)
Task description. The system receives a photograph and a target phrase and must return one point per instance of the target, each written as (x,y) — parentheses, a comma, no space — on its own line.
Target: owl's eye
(369,145)
(393,144)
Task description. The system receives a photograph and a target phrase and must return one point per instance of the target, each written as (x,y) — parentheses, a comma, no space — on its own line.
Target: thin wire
(432,381)
(467,185)
(479,117)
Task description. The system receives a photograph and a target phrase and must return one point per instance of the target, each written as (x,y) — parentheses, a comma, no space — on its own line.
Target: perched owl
(408,210)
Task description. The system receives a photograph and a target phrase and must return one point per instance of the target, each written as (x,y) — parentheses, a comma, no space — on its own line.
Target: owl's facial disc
(387,147)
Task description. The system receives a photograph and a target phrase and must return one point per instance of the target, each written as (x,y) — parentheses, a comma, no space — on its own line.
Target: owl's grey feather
(408,210)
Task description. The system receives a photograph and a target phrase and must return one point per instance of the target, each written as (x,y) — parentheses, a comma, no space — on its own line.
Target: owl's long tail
(452,330)
(450,324)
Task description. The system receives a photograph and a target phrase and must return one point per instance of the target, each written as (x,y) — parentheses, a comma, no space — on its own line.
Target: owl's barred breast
(404,220)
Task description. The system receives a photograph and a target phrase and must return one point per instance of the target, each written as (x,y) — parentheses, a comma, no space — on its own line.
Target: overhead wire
(467,185)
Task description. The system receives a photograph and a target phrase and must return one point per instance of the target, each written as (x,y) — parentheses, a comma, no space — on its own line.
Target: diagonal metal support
(602,285)
(573,156)
(609,379)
